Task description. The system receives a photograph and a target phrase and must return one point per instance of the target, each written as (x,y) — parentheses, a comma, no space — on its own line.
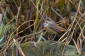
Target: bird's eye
(48,20)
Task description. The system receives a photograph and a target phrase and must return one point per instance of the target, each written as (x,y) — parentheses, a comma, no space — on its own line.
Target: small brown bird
(51,26)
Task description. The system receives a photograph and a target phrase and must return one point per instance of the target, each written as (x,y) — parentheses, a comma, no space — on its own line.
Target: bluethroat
(51,26)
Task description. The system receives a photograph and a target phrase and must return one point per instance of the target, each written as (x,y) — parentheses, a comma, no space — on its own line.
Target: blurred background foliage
(23,20)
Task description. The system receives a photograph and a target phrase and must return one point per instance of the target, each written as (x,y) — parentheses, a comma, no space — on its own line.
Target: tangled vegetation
(22,21)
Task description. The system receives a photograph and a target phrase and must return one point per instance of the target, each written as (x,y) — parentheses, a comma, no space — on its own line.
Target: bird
(51,26)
